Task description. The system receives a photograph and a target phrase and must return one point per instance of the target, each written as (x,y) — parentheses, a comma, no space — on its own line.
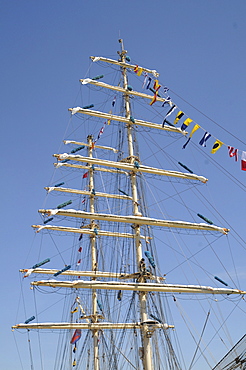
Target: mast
(93,257)
(146,351)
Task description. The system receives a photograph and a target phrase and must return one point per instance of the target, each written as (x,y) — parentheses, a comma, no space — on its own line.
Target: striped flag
(233,152)
(76,336)
(203,140)
(186,123)
(177,118)
(168,113)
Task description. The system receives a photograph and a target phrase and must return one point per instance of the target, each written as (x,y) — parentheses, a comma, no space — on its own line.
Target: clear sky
(197,46)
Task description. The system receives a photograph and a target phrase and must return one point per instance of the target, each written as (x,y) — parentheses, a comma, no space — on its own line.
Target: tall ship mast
(117,302)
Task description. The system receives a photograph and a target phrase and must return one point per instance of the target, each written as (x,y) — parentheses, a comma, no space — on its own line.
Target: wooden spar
(137,220)
(130,167)
(86,168)
(92,326)
(108,116)
(124,64)
(121,89)
(84,192)
(140,287)
(86,231)
(93,274)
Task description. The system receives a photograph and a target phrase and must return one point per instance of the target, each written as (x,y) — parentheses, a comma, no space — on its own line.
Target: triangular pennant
(156,85)
(195,128)
(153,99)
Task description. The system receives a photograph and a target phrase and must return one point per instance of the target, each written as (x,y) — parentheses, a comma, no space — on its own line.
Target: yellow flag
(195,128)
(218,144)
(109,120)
(75,310)
(140,70)
(179,115)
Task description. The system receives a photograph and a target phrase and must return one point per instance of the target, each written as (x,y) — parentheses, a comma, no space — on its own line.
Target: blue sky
(197,46)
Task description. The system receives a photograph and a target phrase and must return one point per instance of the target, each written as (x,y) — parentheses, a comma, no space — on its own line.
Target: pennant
(243,161)
(186,123)
(179,115)
(153,99)
(74,363)
(109,120)
(113,102)
(203,140)
(145,80)
(233,152)
(100,132)
(167,101)
(83,200)
(135,69)
(79,262)
(139,72)
(85,175)
(195,128)
(80,237)
(76,336)
(156,85)
(80,249)
(75,310)
(149,82)
(169,112)
(216,146)
(74,349)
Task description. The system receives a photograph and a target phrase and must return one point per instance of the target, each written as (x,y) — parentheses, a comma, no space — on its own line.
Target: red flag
(243,161)
(85,175)
(135,69)
(80,248)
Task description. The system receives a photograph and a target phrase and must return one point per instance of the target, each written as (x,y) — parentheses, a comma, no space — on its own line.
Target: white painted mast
(93,257)
(146,341)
